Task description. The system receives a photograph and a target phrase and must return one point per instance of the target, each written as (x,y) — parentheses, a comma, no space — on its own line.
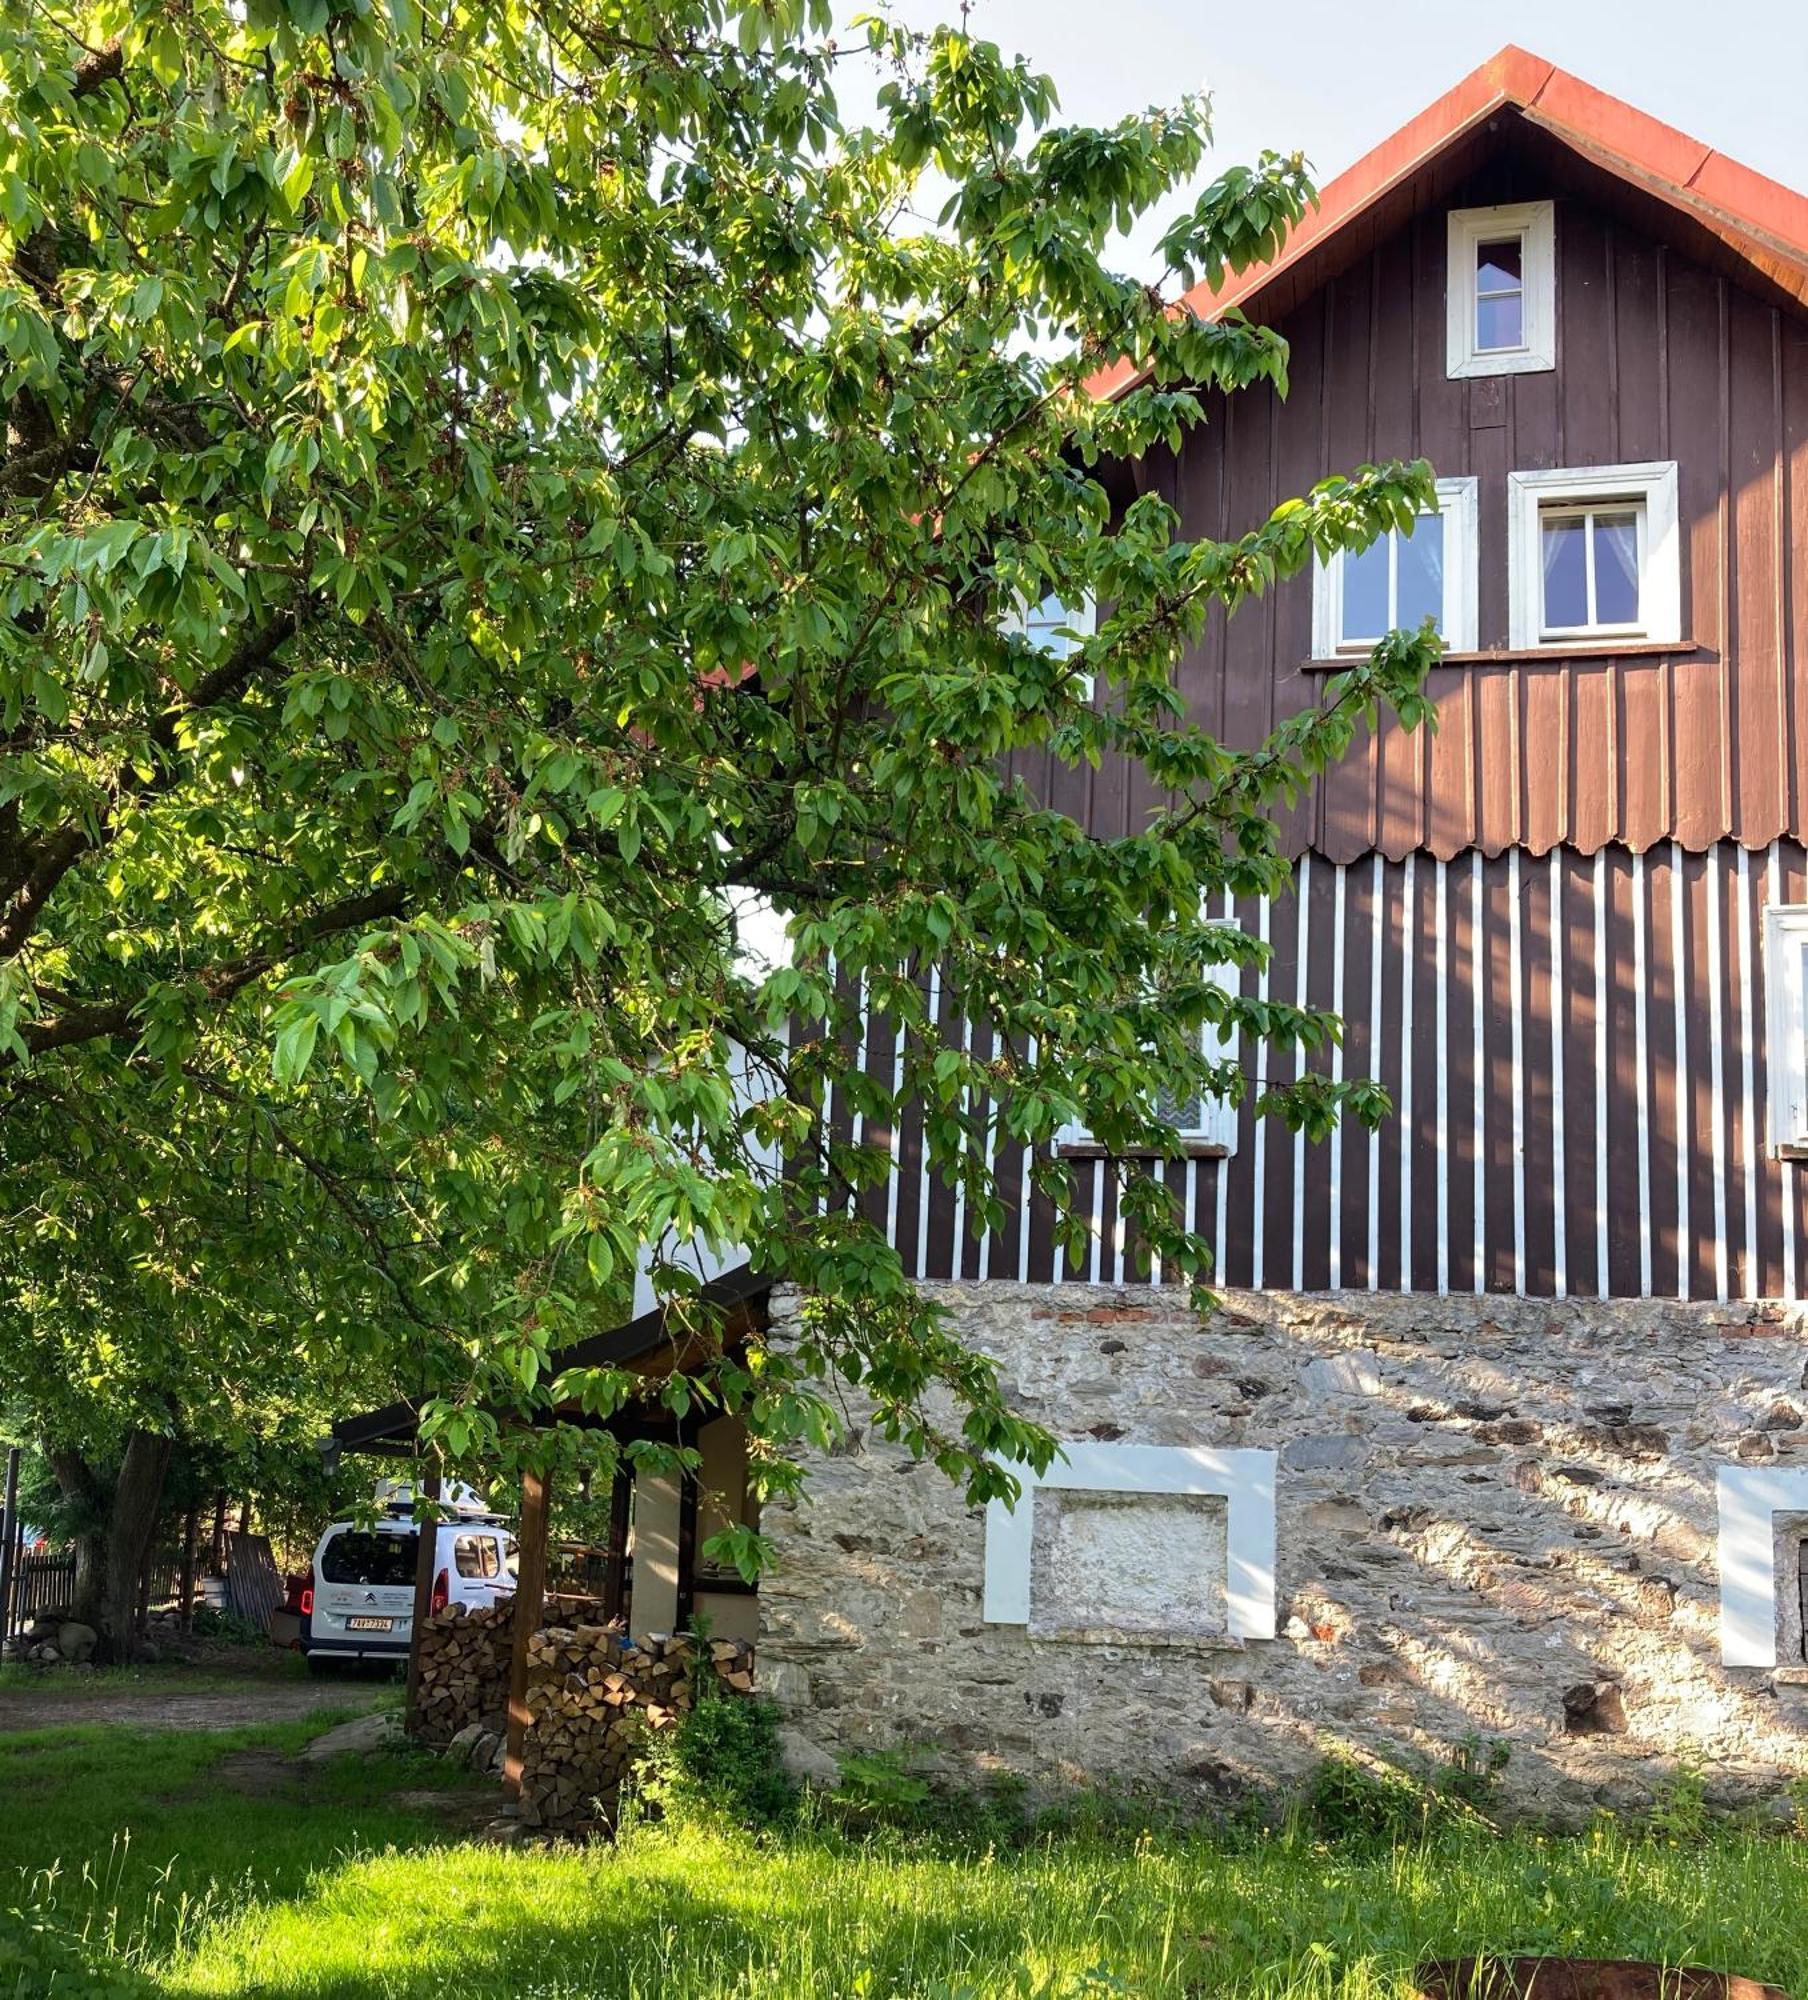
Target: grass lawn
(231,1873)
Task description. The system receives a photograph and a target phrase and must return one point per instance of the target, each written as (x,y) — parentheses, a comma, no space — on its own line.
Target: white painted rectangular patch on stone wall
(1750,1497)
(1152,1542)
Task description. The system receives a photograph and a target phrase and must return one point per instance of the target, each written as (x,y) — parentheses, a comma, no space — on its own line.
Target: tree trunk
(191,1535)
(130,1530)
(77,1483)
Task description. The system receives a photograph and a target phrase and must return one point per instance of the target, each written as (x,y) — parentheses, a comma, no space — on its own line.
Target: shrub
(721,1761)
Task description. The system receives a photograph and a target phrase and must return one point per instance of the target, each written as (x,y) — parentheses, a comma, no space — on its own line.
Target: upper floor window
(1594,555)
(1206,1125)
(1501,290)
(1057,628)
(1786,1023)
(1401,579)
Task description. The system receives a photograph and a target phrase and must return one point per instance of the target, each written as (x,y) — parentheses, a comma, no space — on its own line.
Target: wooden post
(217,1562)
(191,1543)
(687,1550)
(530,1594)
(425,1568)
(9,1546)
(141,1615)
(615,1560)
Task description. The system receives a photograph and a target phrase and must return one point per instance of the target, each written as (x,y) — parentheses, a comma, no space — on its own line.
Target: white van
(360,1603)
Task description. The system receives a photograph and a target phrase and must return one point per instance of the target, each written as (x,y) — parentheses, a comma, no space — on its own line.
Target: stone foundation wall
(1493,1516)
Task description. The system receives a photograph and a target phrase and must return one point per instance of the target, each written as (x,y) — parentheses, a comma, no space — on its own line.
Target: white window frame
(1535,224)
(1749,1497)
(1785,1025)
(1649,485)
(1243,1478)
(1459,510)
(1081,619)
(1216,1137)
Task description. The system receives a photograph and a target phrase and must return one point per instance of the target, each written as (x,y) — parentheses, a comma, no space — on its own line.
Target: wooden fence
(40,1583)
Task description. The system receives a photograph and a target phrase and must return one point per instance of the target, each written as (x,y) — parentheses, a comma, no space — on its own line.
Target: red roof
(1761,220)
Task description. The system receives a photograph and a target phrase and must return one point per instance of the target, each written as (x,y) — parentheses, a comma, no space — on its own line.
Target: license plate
(370,1624)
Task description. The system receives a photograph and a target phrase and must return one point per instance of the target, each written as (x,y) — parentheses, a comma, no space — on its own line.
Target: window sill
(1190,1149)
(1554,655)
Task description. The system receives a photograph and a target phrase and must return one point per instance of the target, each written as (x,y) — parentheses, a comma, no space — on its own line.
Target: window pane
(1616,569)
(1365,593)
(467,1554)
(368,1559)
(1500,321)
(1421,578)
(1044,627)
(1500,267)
(1565,572)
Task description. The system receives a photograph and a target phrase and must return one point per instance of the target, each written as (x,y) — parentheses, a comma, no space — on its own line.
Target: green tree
(487,484)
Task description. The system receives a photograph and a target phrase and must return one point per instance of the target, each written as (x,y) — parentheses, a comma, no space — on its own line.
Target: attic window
(1502,290)
(1402,578)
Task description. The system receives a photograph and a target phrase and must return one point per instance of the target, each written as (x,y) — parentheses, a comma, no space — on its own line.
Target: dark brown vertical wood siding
(1658,358)
(1574,1045)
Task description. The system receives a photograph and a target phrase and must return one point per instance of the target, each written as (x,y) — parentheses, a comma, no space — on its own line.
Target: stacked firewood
(593,1697)
(465,1669)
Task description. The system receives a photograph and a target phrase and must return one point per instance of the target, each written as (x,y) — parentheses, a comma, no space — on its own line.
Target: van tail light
(442,1592)
(307,1602)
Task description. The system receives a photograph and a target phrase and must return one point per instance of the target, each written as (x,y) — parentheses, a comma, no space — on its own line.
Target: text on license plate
(370,1624)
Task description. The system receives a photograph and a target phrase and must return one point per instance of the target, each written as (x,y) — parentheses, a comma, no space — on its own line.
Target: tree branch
(218,983)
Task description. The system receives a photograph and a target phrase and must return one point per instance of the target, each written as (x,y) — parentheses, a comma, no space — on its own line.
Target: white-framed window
(1594,554)
(1402,578)
(1207,1125)
(1786,1026)
(1057,628)
(1501,290)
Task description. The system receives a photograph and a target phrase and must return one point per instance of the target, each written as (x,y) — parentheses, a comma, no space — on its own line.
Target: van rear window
(356,1557)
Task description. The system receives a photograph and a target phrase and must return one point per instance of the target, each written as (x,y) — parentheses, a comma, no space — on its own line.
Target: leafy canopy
(490,486)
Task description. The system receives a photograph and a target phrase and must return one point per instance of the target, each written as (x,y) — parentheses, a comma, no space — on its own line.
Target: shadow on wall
(1494,1517)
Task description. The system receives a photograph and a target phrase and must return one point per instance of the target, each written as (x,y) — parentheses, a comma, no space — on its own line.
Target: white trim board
(1749,1496)
(1243,1479)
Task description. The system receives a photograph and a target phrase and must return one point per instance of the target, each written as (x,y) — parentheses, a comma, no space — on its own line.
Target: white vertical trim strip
(1335,1223)
(857,1123)
(1559,1142)
(1773,893)
(1120,1175)
(923,1193)
(1602,1282)
(1643,1093)
(1097,1221)
(1478,958)
(1408,955)
(1685,1137)
(1026,1192)
(1748,1156)
(1516,1044)
(1223,1166)
(1258,1165)
(1715,886)
(1443,1088)
(1302,946)
(896,1140)
(1377,947)
(828,1097)
(957,1250)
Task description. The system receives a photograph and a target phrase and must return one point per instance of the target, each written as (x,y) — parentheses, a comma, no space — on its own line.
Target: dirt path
(176,1707)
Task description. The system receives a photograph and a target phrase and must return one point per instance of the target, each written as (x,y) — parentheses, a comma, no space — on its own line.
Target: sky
(1334,77)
